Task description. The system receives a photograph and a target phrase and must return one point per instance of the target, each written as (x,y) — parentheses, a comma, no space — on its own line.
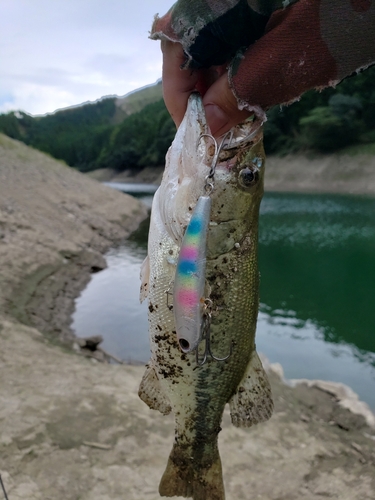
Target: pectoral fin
(151,393)
(252,402)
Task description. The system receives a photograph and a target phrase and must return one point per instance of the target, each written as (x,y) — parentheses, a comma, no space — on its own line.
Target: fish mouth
(238,138)
(241,135)
(228,144)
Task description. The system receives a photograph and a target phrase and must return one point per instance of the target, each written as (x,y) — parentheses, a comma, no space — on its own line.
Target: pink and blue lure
(188,295)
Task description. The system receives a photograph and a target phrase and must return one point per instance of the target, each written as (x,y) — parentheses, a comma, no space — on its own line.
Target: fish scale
(197,394)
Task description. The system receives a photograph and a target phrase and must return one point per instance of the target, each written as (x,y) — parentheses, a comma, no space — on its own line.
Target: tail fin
(199,479)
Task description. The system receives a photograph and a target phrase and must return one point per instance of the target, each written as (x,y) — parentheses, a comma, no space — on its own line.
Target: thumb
(221,107)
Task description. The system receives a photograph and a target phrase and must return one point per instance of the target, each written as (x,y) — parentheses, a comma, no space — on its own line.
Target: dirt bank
(75,429)
(322,174)
(55,225)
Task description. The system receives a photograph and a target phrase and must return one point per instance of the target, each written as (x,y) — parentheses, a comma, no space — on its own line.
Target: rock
(90,343)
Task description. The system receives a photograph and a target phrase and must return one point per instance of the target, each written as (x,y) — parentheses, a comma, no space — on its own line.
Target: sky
(59,53)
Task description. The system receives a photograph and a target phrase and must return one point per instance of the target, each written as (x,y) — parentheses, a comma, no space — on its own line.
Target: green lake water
(317,312)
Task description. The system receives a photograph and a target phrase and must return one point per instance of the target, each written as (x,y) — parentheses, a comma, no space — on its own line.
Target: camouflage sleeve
(212,31)
(276,49)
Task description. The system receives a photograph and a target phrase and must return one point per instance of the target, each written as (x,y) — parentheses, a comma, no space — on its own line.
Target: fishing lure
(189,284)
(191,309)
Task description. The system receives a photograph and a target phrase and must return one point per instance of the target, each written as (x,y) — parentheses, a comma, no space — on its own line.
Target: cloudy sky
(57,53)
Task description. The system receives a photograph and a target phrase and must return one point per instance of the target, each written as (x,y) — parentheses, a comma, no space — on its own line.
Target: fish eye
(248,177)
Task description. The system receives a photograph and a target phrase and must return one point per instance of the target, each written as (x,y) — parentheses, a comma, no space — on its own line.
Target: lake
(317,311)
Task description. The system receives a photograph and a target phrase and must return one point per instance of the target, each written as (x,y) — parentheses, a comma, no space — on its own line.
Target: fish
(220,365)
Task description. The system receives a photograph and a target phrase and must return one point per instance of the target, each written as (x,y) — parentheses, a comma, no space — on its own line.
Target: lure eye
(248,177)
(184,344)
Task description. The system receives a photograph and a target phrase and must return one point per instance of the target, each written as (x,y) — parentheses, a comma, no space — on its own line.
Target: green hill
(134,131)
(136,101)
(100,134)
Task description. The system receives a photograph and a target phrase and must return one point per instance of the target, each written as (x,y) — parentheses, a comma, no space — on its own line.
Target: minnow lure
(188,295)
(189,303)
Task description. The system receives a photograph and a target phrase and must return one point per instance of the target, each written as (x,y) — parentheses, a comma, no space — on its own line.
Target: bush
(327,128)
(277,139)
(9,125)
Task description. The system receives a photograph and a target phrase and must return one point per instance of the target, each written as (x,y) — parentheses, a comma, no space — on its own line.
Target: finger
(178,83)
(221,107)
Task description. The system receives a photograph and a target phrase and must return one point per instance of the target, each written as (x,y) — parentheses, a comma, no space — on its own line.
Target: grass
(359,149)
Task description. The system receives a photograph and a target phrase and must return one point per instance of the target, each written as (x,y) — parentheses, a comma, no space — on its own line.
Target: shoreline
(324,174)
(75,428)
(55,226)
(321,174)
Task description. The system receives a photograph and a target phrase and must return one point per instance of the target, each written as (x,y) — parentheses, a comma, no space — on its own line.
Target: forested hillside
(113,133)
(326,121)
(75,135)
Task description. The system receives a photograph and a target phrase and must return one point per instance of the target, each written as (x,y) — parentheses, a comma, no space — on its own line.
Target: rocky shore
(75,429)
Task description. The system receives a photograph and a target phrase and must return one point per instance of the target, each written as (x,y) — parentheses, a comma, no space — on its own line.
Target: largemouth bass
(197,383)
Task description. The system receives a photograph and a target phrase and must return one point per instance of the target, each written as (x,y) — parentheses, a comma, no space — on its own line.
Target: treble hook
(206,336)
(218,148)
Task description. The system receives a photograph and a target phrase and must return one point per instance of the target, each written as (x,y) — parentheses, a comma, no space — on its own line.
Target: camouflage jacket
(275,49)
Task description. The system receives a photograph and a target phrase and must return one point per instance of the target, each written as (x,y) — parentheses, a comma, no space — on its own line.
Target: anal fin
(252,402)
(151,392)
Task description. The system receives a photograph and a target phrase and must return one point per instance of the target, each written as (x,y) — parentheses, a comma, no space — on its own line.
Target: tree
(328,128)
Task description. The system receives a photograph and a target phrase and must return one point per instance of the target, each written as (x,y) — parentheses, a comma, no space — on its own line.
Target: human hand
(221,107)
(309,44)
